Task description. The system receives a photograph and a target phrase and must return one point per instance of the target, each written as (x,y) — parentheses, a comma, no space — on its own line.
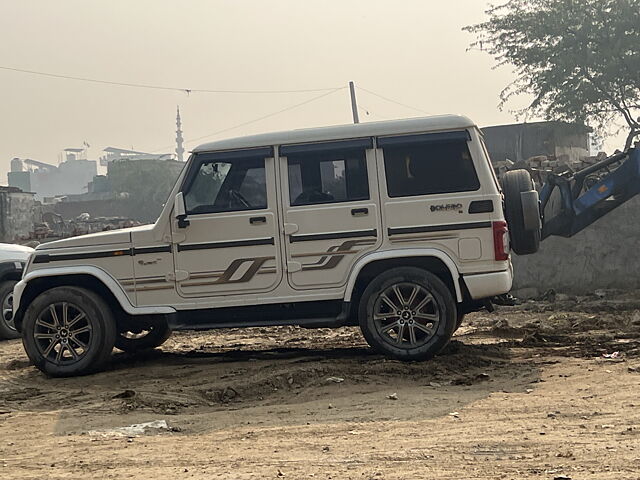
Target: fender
(100,274)
(405,252)
(11,267)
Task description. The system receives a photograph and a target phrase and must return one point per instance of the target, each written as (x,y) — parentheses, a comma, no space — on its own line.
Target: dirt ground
(524,392)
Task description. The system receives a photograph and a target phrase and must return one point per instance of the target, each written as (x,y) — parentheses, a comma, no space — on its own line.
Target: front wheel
(407,313)
(68,331)
(7,327)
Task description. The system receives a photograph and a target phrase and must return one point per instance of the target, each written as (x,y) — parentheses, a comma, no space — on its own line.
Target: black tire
(387,331)
(145,336)
(87,328)
(523,241)
(7,328)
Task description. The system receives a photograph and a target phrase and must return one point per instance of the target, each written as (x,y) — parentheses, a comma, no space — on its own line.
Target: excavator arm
(589,194)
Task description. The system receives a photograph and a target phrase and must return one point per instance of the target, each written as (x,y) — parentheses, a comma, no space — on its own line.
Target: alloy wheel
(7,311)
(63,333)
(406,315)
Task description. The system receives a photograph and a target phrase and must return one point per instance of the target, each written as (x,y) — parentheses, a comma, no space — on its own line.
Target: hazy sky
(412,51)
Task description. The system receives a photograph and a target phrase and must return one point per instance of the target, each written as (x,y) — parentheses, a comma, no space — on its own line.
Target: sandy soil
(524,392)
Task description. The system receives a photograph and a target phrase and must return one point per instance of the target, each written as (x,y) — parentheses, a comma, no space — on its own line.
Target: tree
(579,59)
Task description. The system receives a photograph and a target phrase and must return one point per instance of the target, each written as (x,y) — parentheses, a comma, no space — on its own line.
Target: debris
(280,474)
(501,324)
(330,406)
(631,369)
(334,380)
(454,414)
(435,384)
(393,396)
(562,477)
(529,390)
(131,430)
(612,355)
(125,394)
(549,296)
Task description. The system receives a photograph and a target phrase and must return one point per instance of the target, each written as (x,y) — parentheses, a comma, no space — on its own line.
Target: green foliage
(580,59)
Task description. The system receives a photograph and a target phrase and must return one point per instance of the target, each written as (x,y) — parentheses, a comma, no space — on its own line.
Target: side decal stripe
(237,243)
(438,228)
(46,257)
(332,236)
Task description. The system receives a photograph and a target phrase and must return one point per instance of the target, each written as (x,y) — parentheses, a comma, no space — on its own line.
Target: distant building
(113,154)
(517,142)
(179,138)
(136,186)
(45,180)
(17,212)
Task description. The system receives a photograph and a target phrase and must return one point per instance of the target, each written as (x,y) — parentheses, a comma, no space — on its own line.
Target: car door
(228,243)
(433,197)
(331,210)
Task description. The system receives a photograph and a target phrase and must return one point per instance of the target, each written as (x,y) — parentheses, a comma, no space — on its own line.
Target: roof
(122,150)
(340,132)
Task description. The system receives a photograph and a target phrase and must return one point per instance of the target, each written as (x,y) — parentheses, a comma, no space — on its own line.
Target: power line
(160,87)
(394,101)
(291,107)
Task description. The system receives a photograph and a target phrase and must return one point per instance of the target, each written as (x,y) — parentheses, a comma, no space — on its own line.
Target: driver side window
(227,186)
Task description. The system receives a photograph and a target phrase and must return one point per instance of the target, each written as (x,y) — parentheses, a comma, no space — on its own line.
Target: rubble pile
(54,226)
(540,166)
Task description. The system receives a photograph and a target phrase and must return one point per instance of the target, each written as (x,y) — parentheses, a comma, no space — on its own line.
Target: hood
(12,252)
(111,237)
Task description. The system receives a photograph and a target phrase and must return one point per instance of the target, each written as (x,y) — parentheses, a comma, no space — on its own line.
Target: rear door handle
(257,220)
(359,212)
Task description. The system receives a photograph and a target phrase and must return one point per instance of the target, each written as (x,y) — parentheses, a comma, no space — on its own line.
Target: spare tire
(522,212)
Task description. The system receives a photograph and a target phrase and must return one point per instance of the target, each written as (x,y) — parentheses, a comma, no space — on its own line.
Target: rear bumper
(484,285)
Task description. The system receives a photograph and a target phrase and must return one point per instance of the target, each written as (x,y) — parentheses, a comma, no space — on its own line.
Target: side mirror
(180,211)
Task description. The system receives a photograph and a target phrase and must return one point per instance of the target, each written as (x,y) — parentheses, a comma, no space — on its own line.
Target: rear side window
(327,177)
(429,168)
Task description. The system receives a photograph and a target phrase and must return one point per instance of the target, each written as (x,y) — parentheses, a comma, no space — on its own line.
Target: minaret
(179,139)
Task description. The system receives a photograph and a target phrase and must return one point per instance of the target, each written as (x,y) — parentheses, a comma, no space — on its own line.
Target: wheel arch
(435,261)
(89,277)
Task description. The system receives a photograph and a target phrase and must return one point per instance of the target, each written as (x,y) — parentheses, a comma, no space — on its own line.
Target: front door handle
(359,212)
(257,220)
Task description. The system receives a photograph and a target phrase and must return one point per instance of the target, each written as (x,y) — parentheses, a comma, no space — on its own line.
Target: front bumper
(485,285)
(18,290)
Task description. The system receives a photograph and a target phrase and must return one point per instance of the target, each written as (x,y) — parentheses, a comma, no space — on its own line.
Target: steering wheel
(235,195)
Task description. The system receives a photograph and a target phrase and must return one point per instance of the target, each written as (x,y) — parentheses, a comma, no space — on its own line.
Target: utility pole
(354,104)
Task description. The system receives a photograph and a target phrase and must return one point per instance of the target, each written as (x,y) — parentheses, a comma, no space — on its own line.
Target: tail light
(501,240)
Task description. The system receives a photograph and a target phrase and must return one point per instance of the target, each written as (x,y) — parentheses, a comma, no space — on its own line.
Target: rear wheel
(407,313)
(145,336)
(68,331)
(7,327)
(525,237)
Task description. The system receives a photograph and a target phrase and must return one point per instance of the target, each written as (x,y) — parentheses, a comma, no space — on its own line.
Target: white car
(395,226)
(12,261)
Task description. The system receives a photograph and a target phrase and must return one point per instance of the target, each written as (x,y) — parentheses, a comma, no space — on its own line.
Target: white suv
(395,226)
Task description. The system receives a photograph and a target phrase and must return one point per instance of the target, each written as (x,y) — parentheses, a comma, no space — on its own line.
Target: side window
(428,168)
(327,177)
(227,186)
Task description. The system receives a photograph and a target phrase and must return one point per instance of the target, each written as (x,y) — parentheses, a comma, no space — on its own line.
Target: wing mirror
(180,211)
